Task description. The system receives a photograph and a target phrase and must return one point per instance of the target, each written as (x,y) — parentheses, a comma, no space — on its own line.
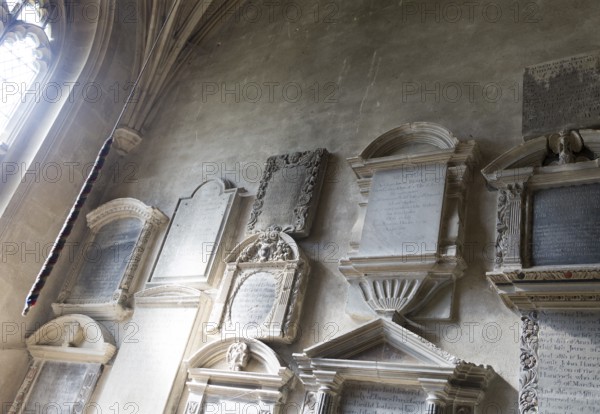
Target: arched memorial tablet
(108,263)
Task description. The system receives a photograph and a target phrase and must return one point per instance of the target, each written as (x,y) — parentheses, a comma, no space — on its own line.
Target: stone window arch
(25,59)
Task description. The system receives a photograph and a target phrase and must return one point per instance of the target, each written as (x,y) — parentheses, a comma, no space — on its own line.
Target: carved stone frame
(118,307)
(290,271)
(517,174)
(207,379)
(400,286)
(449,383)
(305,208)
(67,339)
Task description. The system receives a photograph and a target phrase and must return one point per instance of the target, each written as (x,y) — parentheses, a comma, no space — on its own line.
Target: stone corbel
(126,139)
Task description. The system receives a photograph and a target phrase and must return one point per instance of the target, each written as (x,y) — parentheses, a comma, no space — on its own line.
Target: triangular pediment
(386,353)
(382,340)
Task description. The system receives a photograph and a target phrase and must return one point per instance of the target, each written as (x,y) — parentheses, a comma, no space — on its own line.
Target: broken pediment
(547,255)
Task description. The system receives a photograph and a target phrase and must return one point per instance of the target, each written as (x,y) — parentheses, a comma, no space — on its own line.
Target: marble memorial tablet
(288,193)
(565,228)
(404,211)
(59,385)
(105,260)
(561,94)
(254,299)
(569,362)
(374,398)
(195,235)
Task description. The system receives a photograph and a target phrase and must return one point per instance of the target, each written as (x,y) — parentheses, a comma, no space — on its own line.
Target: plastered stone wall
(49,183)
(337,77)
(287,76)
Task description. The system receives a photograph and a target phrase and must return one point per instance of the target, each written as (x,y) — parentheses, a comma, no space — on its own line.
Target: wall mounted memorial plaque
(338,378)
(236,376)
(288,192)
(198,236)
(164,316)
(405,246)
(562,94)
(68,354)
(560,361)
(108,262)
(547,251)
(263,288)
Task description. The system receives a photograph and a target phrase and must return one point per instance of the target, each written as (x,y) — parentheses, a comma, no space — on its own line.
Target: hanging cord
(67,227)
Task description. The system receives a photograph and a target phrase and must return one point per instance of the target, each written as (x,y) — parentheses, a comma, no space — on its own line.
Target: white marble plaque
(105,261)
(372,398)
(254,299)
(148,360)
(569,362)
(62,387)
(195,235)
(404,211)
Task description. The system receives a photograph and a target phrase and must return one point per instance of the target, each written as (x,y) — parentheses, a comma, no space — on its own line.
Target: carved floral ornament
(288,167)
(550,165)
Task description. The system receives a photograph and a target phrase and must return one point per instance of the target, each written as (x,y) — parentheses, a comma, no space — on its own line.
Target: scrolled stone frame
(451,384)
(304,210)
(400,286)
(264,381)
(72,338)
(118,307)
(274,253)
(517,175)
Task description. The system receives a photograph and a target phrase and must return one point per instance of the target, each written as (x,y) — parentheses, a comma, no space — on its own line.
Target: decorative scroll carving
(310,403)
(528,398)
(25,387)
(507,225)
(269,247)
(237,356)
(307,182)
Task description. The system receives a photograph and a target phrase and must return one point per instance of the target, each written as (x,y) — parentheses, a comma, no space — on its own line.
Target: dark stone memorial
(561,94)
(565,224)
(288,193)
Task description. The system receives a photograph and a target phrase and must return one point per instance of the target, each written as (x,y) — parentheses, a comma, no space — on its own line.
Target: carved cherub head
(237,356)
